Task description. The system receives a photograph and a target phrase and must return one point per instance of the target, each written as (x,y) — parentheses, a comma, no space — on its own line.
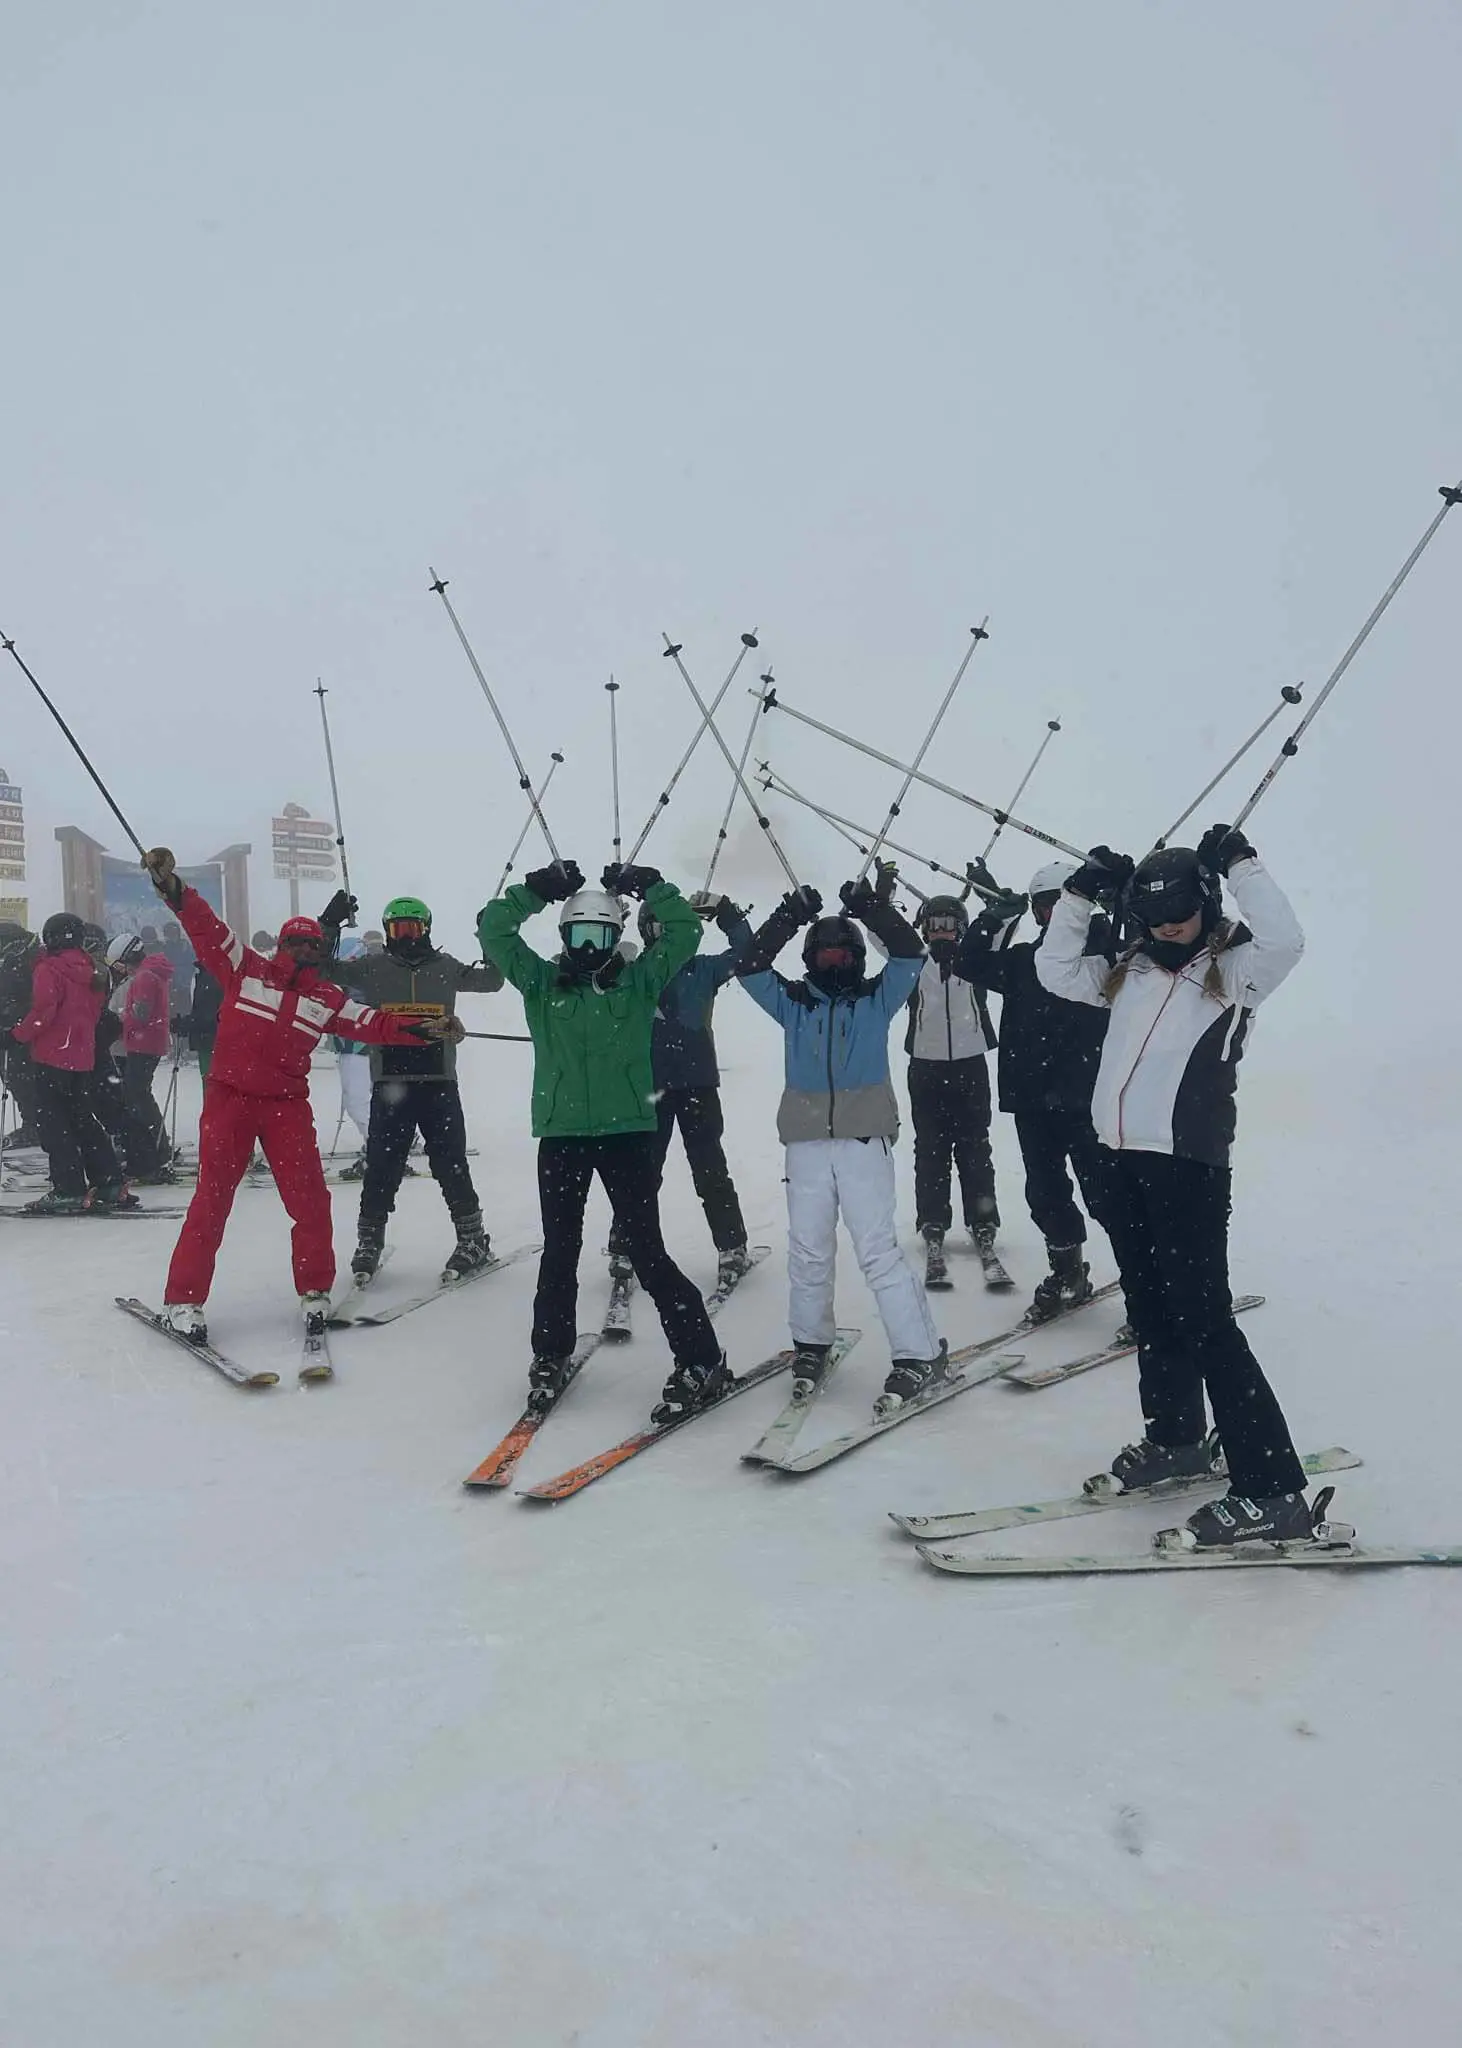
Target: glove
(976,871)
(802,906)
(441,1027)
(729,916)
(860,900)
(1002,909)
(557,883)
(888,874)
(1102,874)
(1221,846)
(340,909)
(163,869)
(623,880)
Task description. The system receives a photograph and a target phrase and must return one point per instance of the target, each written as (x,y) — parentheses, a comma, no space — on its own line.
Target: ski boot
(1124,1334)
(315,1308)
(547,1378)
(52,1204)
(1066,1286)
(936,1266)
(370,1243)
(356,1168)
(691,1387)
(186,1319)
(1236,1518)
(809,1364)
(1148,1464)
(732,1265)
(473,1247)
(107,1200)
(982,1236)
(909,1378)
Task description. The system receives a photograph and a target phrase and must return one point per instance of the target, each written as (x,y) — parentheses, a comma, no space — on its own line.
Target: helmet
(124,951)
(406,910)
(63,932)
(1051,879)
(589,925)
(1169,887)
(408,928)
(834,954)
(93,938)
(946,909)
(302,928)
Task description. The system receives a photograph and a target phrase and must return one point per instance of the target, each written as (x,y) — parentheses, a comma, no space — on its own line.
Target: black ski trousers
(399,1109)
(1168,1222)
(72,1135)
(629,1166)
(1049,1139)
(702,1128)
(145,1138)
(950,1100)
(19,1077)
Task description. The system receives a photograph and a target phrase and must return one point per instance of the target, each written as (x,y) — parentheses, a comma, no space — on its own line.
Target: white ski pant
(851,1178)
(355,1089)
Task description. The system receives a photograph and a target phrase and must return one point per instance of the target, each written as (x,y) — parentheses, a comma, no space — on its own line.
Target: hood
(156,963)
(75,966)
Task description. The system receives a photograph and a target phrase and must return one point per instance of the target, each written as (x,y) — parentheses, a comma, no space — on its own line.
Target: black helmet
(946,907)
(1169,887)
(63,933)
(834,935)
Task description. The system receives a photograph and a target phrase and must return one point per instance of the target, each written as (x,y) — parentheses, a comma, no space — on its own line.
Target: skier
(1181,1002)
(590,1015)
(414,1088)
(19,951)
(688,1079)
(838,1121)
(145,982)
(949,1038)
(68,994)
(1049,1052)
(274,1014)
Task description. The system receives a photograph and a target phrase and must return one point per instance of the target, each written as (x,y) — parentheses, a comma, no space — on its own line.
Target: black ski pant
(1168,1222)
(702,1129)
(399,1109)
(1049,1140)
(20,1083)
(72,1134)
(144,1136)
(950,1100)
(629,1166)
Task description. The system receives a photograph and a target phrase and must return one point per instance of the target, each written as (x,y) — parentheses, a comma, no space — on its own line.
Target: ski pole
(439,587)
(775,703)
(613,688)
(1289,694)
(672,652)
(507,1037)
(978,634)
(554,761)
(766,684)
(859,841)
(10,649)
(748,641)
(321,693)
(1451,494)
(779,786)
(1053,726)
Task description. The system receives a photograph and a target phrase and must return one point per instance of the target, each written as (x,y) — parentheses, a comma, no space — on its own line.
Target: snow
(302,1743)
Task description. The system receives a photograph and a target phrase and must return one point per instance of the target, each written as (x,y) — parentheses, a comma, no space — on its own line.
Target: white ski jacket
(947,1017)
(1168,1074)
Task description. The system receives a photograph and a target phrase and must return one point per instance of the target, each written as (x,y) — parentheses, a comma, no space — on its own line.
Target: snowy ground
(302,1744)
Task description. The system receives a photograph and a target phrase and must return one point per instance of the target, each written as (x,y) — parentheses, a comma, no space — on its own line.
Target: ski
(775,1441)
(584,1475)
(206,1352)
(1250,1556)
(373,1319)
(615,1328)
(998,1278)
(315,1361)
(980,1521)
(91,1215)
(944,1389)
(498,1467)
(1030,1377)
(343,1314)
(721,1293)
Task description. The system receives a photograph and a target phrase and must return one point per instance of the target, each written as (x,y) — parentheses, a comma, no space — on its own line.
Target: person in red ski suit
(274,1013)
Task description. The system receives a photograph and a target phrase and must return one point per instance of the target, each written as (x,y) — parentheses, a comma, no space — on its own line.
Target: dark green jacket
(591,1046)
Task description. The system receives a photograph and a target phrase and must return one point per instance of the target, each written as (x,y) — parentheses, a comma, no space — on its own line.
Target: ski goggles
(826,957)
(406,928)
(941,926)
(600,938)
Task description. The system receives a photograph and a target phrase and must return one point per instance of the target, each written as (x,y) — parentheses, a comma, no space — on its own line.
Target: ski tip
(261,1379)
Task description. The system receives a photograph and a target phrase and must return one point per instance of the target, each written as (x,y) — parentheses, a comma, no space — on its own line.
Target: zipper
(948,1021)
(832,1095)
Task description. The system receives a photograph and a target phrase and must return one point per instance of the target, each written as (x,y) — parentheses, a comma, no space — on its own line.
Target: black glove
(339,910)
(976,871)
(1103,875)
(1001,909)
(888,874)
(802,906)
(622,880)
(729,916)
(555,884)
(1221,846)
(861,900)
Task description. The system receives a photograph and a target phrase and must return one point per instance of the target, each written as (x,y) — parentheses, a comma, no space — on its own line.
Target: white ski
(1030,1377)
(718,1297)
(945,1390)
(774,1443)
(239,1374)
(1244,1556)
(374,1318)
(343,1314)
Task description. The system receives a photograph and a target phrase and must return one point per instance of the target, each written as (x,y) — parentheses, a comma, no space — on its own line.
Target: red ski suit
(273,1016)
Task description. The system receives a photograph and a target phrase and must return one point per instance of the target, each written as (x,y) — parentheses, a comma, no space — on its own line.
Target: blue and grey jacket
(837,1077)
(682,1046)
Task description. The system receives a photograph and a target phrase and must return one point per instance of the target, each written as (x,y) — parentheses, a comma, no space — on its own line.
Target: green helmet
(401,907)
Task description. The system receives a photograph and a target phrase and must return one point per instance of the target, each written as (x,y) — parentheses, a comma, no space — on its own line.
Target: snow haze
(1132,327)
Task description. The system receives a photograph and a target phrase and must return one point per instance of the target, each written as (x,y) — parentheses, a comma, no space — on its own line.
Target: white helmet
(1052,878)
(590,925)
(125,950)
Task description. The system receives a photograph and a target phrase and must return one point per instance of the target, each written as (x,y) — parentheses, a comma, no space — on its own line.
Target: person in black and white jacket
(1182,1002)
(949,1039)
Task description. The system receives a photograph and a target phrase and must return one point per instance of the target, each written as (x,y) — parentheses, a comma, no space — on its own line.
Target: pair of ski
(616,1329)
(998,1278)
(355,1311)
(314,1355)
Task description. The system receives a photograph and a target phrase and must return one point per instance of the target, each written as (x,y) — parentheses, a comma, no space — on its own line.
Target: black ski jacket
(1050,1049)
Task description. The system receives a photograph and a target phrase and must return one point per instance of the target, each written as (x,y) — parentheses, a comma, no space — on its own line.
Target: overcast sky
(1135,326)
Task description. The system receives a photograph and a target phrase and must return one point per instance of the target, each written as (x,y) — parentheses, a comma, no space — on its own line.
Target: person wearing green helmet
(413,1088)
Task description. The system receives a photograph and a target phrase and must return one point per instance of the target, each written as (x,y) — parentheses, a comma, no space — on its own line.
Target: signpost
(12,849)
(304,851)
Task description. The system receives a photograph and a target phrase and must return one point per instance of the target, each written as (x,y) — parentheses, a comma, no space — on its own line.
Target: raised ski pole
(775,703)
(778,785)
(10,649)
(613,688)
(439,587)
(716,851)
(1289,694)
(977,634)
(748,641)
(1053,726)
(554,762)
(321,693)
(672,653)
(1451,495)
